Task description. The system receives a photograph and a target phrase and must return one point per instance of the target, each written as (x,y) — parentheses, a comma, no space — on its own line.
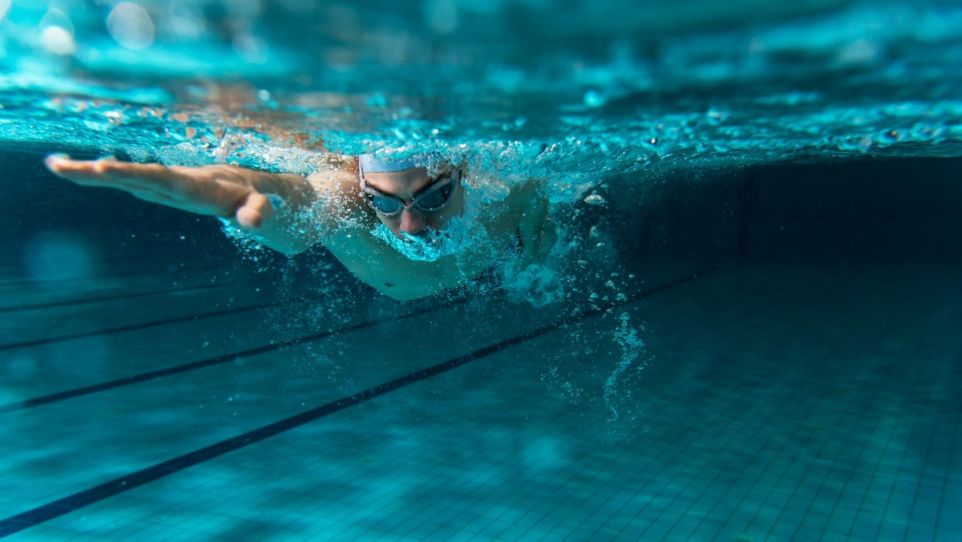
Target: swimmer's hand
(234,193)
(224,191)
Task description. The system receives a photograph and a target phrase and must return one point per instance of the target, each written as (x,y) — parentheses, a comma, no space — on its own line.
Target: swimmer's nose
(412,223)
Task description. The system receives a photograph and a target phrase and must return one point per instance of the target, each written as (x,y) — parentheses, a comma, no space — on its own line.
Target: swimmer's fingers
(77,171)
(115,174)
(254,211)
(148,182)
(208,191)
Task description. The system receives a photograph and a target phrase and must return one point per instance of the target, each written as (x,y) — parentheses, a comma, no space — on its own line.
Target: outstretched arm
(230,192)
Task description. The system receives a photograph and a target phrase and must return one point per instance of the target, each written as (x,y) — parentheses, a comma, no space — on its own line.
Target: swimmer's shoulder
(334,174)
(338,208)
(334,182)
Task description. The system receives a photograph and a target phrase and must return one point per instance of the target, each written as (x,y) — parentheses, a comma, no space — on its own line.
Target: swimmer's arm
(234,193)
(538,231)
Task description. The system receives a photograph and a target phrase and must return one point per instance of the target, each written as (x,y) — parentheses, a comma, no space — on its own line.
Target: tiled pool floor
(768,403)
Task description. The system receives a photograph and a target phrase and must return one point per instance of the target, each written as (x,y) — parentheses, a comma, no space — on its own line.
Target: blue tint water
(568,89)
(701,411)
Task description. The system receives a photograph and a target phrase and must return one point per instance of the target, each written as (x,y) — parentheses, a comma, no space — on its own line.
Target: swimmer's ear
(254,211)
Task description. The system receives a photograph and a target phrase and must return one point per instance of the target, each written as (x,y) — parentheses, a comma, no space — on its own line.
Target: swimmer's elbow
(409,293)
(402,295)
(403,298)
(289,252)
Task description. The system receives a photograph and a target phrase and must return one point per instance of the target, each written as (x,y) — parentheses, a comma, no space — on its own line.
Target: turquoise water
(749,332)
(567,89)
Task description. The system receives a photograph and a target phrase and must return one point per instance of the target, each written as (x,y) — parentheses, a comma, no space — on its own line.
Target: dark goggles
(430,199)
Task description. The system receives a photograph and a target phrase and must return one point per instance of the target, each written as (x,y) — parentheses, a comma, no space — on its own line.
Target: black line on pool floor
(217,360)
(110,297)
(144,325)
(71,503)
(109,276)
(128,295)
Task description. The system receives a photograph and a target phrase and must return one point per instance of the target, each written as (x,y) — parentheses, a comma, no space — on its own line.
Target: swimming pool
(760,339)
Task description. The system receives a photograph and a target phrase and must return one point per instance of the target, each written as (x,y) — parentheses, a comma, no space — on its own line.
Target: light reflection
(57,33)
(131,26)
(59,256)
(58,40)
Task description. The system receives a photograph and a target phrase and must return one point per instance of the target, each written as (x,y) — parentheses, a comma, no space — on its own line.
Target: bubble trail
(631,347)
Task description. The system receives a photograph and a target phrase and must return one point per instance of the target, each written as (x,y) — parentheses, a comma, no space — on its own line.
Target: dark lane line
(71,503)
(110,297)
(107,276)
(144,325)
(223,358)
(126,295)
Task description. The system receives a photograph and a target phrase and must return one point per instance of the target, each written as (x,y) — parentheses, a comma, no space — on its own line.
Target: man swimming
(389,223)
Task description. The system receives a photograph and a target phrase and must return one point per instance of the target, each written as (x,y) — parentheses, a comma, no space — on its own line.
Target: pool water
(828,410)
(756,335)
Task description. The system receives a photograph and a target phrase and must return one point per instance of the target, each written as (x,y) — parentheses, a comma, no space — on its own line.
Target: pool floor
(770,402)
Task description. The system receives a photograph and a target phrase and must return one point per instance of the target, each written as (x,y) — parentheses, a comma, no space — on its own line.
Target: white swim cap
(370,164)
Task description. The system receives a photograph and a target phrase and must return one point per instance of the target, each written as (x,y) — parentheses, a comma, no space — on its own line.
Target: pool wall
(884,210)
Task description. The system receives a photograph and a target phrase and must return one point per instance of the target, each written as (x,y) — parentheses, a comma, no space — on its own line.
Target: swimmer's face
(406,185)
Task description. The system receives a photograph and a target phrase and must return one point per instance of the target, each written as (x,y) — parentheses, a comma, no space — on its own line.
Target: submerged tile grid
(672,501)
(800,510)
(892,490)
(448,459)
(693,517)
(457,467)
(136,426)
(947,522)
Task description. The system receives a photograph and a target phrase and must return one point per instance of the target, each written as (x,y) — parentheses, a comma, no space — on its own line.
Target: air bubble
(131,26)
(595,199)
(58,40)
(593,98)
(889,137)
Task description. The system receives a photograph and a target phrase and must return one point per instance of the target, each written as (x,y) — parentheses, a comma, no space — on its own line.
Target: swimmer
(385,221)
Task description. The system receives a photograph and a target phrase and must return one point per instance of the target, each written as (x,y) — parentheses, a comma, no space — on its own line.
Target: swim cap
(369,164)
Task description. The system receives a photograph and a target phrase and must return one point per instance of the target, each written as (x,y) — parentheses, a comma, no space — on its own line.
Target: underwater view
(509,270)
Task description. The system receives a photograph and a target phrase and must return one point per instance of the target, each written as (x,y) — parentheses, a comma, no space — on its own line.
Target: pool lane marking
(217,360)
(110,297)
(124,295)
(144,325)
(108,276)
(87,497)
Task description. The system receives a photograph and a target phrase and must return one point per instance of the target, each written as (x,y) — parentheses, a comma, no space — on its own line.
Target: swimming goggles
(429,199)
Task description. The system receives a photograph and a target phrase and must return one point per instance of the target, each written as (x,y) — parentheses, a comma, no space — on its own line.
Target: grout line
(209,362)
(145,325)
(112,297)
(845,446)
(902,461)
(105,276)
(812,464)
(718,429)
(125,295)
(765,448)
(81,499)
(668,449)
(733,437)
(953,459)
(921,478)
(899,413)
(851,473)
